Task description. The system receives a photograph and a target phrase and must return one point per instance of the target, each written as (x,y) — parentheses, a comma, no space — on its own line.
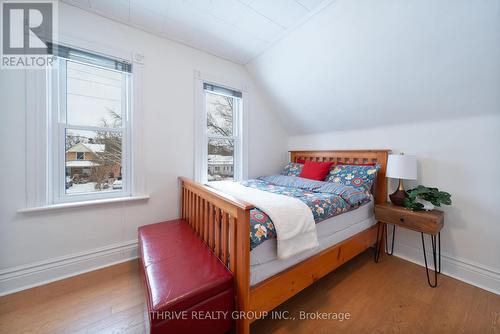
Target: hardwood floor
(109,300)
(389,297)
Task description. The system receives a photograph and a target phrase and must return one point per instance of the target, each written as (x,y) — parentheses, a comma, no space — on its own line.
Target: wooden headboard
(353,157)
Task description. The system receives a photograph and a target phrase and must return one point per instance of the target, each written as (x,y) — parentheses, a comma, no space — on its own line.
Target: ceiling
(238,30)
(364,63)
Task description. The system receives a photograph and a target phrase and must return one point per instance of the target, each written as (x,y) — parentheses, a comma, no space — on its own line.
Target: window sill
(84,203)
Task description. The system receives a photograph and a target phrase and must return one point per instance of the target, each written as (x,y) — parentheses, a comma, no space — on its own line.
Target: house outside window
(91,126)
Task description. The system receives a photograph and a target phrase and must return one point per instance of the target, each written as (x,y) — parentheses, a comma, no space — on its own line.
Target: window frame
(240,169)
(56,184)
(39,135)
(235,136)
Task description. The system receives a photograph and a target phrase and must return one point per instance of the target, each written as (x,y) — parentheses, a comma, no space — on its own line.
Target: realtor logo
(27,28)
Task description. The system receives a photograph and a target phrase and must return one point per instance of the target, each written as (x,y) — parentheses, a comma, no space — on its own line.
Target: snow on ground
(82,188)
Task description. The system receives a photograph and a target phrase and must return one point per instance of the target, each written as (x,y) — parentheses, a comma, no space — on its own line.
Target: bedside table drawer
(418,221)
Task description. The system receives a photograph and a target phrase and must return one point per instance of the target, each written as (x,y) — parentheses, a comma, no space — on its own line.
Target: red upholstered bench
(189,290)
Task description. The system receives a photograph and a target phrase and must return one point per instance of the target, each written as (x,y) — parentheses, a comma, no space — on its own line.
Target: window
(222,114)
(90,126)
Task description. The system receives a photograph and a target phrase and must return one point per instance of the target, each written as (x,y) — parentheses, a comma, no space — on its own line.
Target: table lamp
(402,167)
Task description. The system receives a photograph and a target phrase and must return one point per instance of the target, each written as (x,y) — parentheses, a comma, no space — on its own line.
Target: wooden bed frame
(223,222)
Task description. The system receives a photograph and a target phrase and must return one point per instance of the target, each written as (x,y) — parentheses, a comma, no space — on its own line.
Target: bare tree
(105,161)
(72,140)
(220,122)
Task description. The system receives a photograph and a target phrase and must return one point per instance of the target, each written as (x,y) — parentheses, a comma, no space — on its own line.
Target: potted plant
(425,198)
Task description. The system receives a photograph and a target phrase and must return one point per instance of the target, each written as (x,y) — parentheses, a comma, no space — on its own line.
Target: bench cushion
(180,271)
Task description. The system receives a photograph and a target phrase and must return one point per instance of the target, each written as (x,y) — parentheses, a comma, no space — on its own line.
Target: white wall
(460,156)
(45,246)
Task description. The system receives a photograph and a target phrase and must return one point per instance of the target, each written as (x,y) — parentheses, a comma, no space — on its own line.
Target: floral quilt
(322,204)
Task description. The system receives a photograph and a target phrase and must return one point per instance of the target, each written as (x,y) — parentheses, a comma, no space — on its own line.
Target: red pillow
(316,170)
(300,161)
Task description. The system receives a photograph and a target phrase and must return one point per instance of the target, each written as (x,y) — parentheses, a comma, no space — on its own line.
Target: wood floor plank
(389,297)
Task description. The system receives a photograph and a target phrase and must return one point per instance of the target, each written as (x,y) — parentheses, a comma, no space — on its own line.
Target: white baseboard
(38,273)
(42,272)
(476,274)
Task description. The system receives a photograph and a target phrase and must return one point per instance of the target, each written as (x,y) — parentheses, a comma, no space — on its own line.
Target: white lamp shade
(402,167)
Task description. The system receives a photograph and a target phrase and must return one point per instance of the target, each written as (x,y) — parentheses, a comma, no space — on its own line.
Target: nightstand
(425,222)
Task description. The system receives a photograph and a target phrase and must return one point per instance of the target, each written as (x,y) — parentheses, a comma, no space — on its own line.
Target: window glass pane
(94,96)
(220,110)
(100,166)
(220,159)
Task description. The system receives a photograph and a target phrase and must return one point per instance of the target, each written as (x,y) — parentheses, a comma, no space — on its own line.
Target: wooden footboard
(223,222)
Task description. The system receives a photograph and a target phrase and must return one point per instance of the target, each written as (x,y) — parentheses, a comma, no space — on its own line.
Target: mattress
(263,259)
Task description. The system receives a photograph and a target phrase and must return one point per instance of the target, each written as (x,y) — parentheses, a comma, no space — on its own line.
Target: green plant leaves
(432,195)
(412,205)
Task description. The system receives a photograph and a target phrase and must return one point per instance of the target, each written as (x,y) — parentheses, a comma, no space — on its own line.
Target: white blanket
(292,218)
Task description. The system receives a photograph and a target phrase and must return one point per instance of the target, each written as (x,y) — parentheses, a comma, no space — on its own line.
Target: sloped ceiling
(237,30)
(365,63)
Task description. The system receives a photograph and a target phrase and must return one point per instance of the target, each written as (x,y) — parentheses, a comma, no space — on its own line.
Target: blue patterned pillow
(293,182)
(292,169)
(354,175)
(353,196)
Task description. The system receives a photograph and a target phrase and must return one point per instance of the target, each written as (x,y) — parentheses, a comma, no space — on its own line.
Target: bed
(262,280)
(264,262)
